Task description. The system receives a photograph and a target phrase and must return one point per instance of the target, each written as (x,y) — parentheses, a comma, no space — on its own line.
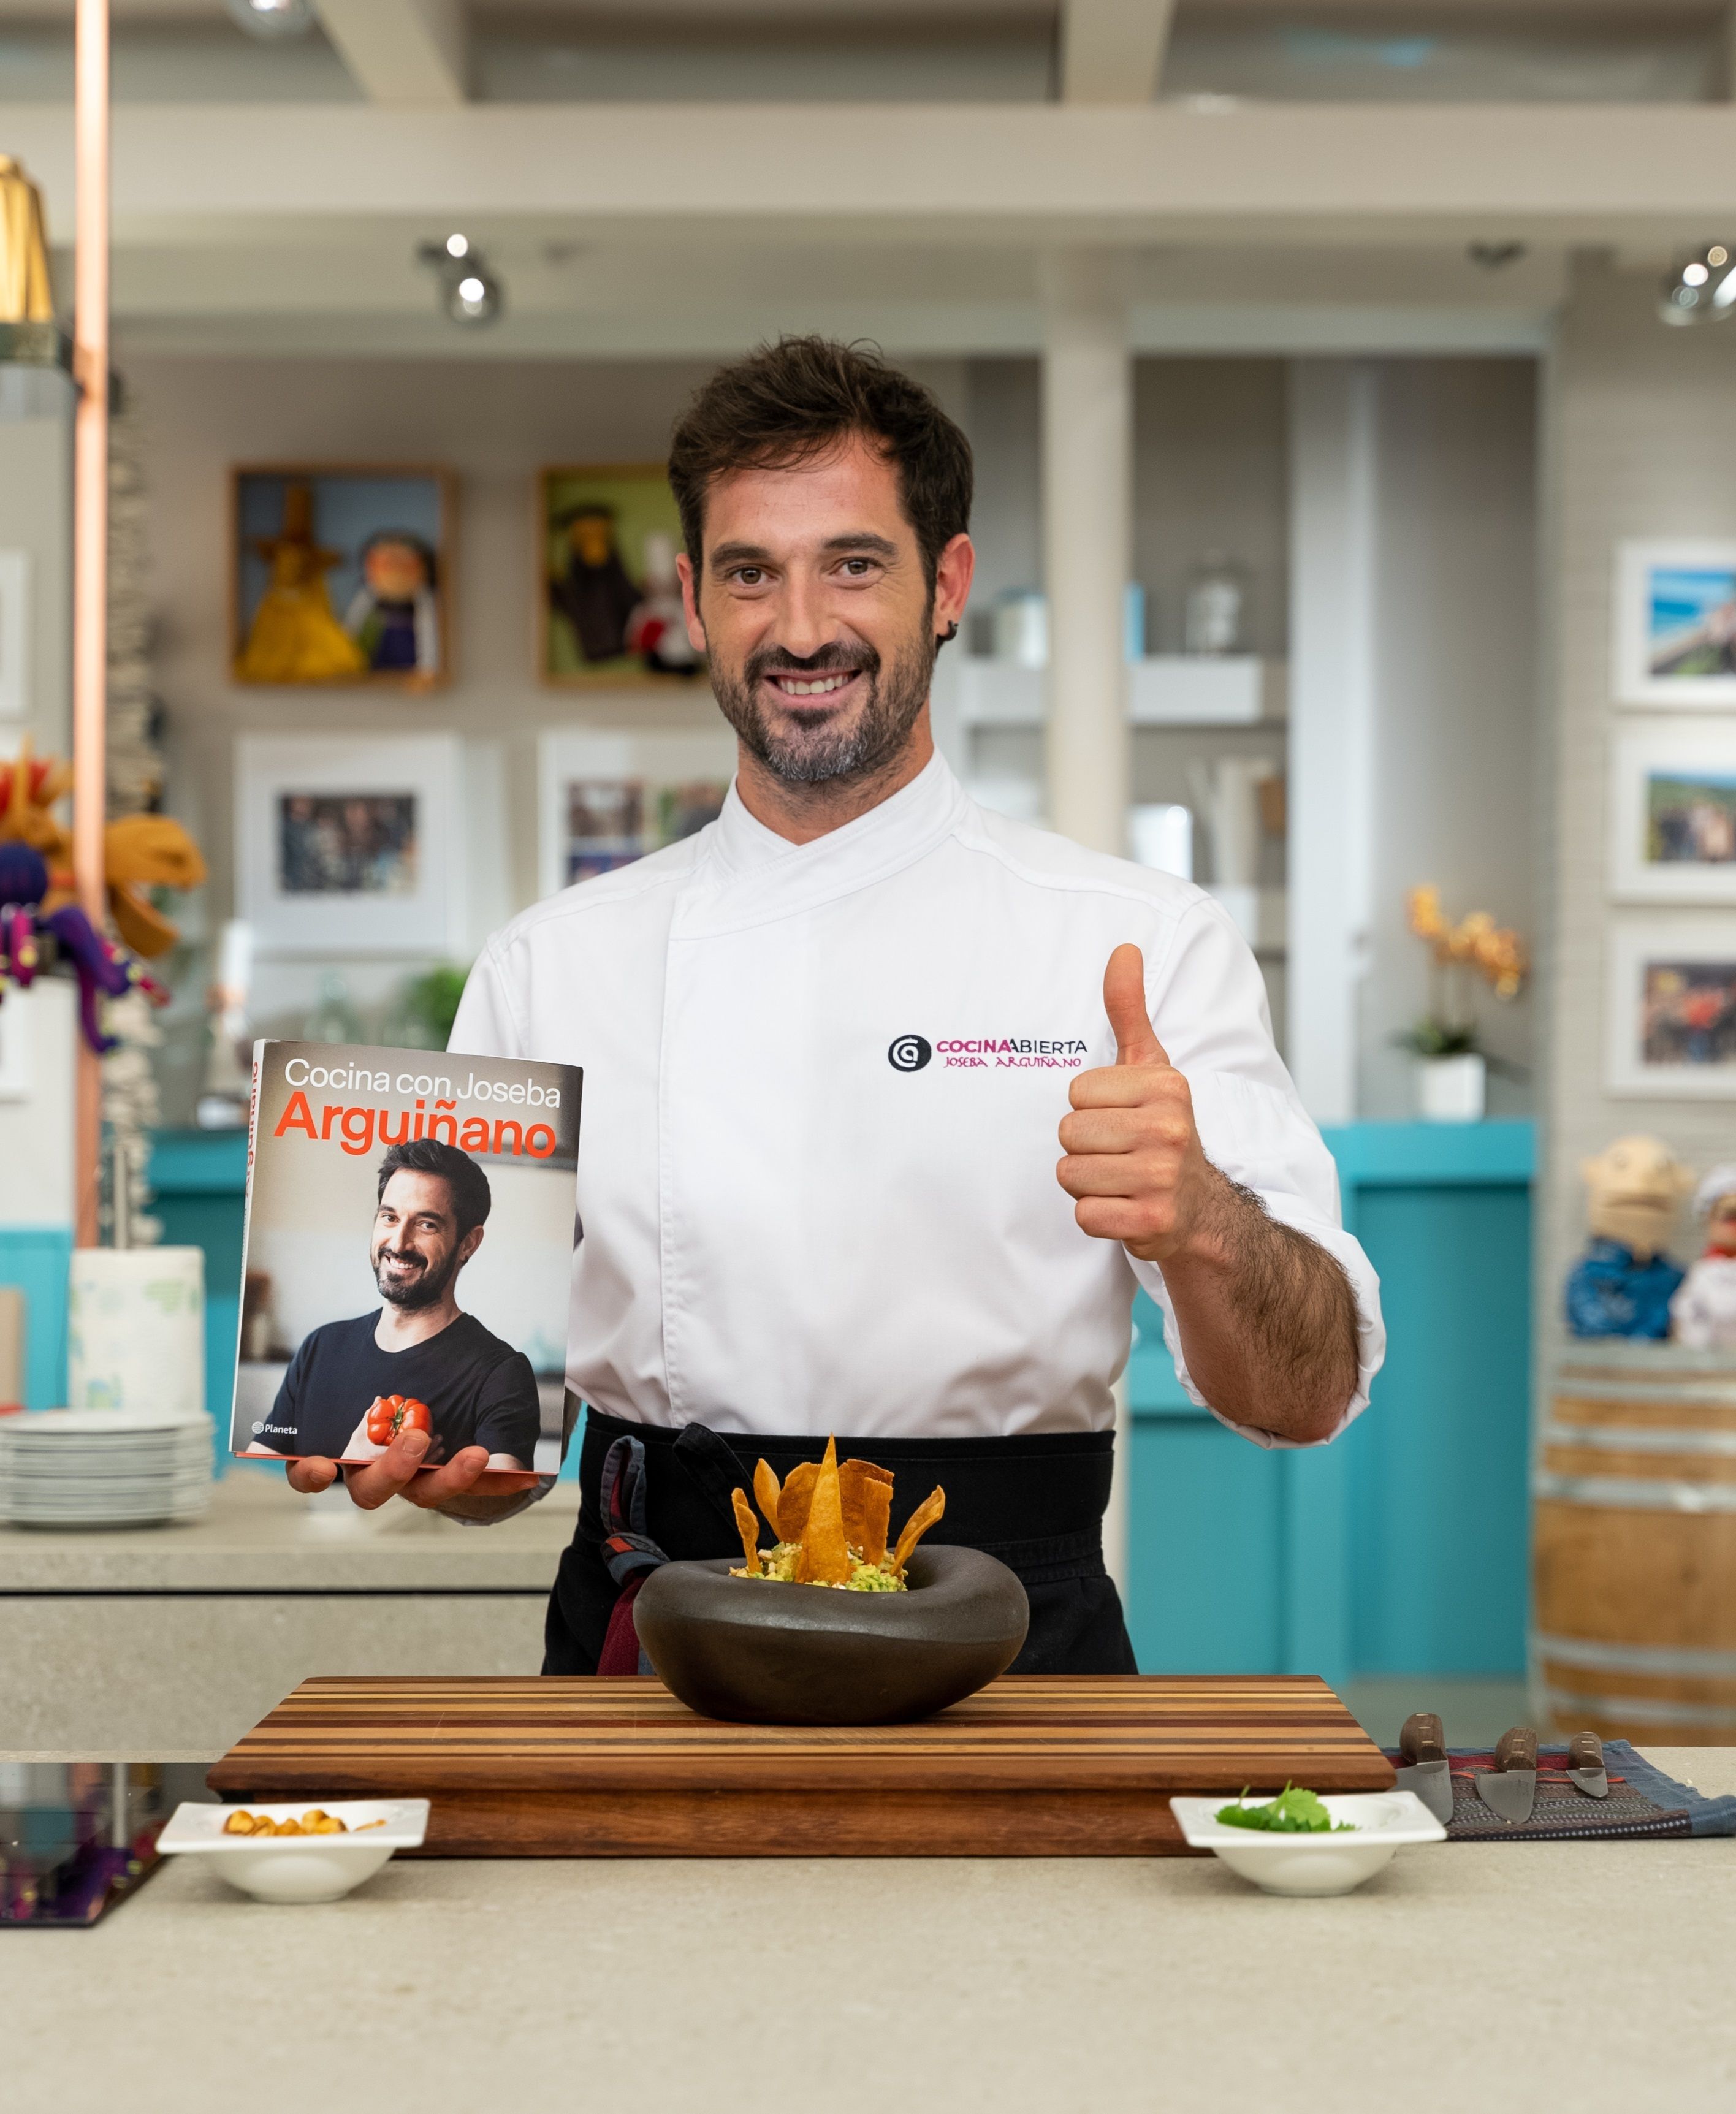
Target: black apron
(1037,1503)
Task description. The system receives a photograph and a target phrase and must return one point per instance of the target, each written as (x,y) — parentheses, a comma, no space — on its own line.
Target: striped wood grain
(1033,1765)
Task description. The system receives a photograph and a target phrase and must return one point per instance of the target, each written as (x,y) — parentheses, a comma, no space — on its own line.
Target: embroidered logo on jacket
(985,1053)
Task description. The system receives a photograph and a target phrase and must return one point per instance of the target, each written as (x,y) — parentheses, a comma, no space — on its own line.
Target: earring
(950,632)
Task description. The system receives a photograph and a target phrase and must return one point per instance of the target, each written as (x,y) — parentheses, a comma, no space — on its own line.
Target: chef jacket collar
(751,876)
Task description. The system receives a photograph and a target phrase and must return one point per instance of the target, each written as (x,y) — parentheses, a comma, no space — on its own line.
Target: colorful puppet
(1703,1312)
(38,898)
(1623,1283)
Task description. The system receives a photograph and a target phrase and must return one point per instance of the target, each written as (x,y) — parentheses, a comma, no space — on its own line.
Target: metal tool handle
(1516,1748)
(1421,1738)
(1585,1751)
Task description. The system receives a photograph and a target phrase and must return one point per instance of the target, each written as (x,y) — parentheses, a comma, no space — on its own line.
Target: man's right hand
(398,1473)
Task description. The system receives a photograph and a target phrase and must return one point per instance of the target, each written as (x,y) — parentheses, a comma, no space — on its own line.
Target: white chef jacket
(816,1182)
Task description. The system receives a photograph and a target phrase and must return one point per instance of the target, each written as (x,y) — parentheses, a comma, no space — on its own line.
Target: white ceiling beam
(1112,51)
(993,173)
(402,54)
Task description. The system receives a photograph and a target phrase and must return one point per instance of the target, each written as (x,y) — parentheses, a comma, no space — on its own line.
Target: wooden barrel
(1634,1546)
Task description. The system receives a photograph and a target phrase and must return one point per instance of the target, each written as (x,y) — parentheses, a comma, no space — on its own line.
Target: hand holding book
(399,1473)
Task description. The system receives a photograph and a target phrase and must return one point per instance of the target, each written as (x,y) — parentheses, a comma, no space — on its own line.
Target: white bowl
(298,1868)
(1385,1821)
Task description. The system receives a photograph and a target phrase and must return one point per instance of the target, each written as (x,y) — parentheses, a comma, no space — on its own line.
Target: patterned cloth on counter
(1643,1801)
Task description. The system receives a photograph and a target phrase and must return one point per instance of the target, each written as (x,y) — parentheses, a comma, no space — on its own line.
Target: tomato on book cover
(411,1218)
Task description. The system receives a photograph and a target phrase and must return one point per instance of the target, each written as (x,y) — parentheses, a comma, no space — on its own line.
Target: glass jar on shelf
(1215,619)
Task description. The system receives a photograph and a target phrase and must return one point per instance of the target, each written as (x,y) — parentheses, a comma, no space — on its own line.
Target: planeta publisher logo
(909,1053)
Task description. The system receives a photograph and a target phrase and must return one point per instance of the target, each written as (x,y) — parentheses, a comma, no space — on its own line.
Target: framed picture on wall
(349,844)
(342,575)
(1675,624)
(607,799)
(15,619)
(1671,985)
(1673,812)
(608,601)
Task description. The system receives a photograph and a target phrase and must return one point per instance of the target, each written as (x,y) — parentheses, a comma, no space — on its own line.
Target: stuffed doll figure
(1623,1283)
(1703,1312)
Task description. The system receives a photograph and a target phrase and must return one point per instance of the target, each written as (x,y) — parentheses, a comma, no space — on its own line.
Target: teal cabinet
(1402,1548)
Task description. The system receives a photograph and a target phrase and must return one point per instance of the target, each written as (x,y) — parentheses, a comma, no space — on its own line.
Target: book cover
(410,1223)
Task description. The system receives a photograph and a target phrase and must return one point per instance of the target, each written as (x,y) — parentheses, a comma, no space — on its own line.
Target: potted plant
(1452,1067)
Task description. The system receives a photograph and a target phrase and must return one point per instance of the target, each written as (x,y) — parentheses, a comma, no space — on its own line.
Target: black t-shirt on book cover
(482,1393)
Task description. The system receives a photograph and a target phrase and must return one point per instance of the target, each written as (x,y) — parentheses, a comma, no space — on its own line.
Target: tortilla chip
(766,1489)
(825,1556)
(794,1500)
(916,1525)
(748,1527)
(854,1480)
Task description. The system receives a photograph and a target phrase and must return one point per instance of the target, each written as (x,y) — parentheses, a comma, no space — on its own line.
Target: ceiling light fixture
(272,18)
(468,292)
(1701,288)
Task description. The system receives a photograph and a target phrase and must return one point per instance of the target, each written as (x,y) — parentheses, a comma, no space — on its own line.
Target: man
(434,1201)
(827,1042)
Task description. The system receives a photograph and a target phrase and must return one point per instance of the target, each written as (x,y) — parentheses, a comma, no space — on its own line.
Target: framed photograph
(1672,812)
(607,799)
(349,845)
(1670,983)
(1675,624)
(14,633)
(342,575)
(608,601)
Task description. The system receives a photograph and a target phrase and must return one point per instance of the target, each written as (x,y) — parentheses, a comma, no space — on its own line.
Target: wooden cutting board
(1034,1766)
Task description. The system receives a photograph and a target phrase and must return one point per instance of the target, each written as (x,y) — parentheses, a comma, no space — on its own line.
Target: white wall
(1642,442)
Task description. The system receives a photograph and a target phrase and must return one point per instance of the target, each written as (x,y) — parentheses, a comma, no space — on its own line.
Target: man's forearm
(1267,1319)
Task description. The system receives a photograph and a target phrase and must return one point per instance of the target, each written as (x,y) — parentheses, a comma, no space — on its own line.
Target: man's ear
(690,603)
(470,1244)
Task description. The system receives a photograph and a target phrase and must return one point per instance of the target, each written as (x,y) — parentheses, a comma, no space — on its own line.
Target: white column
(1333,552)
(1088,543)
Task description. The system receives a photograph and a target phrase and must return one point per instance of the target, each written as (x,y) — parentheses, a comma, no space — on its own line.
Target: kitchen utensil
(1384,1821)
(1427,1773)
(763,1654)
(1585,1765)
(1510,1788)
(299,1867)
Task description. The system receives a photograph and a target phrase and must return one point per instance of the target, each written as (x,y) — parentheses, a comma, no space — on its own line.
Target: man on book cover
(434,1202)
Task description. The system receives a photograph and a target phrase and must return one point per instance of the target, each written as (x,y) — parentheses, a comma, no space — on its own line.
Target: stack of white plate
(103,1467)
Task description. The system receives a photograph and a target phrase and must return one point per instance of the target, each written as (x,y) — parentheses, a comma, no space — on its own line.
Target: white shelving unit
(1164,690)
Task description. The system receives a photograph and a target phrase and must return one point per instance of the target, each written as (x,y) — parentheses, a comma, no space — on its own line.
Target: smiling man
(433,1205)
(830,1045)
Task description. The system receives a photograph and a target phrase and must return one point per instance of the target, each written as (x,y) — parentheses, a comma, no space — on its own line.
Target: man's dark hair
(790,401)
(471,1196)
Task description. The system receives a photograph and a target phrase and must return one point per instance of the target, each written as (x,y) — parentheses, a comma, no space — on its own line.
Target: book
(407,1252)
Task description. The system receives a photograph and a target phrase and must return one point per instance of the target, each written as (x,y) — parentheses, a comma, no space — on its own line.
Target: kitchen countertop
(1593,1975)
(259,1536)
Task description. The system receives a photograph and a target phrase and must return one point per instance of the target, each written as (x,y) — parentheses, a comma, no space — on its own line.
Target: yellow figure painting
(294,636)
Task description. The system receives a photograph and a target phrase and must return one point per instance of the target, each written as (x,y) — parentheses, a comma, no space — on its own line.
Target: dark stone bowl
(765,1654)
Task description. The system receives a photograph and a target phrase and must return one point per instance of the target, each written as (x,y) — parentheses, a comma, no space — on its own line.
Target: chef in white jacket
(828,1044)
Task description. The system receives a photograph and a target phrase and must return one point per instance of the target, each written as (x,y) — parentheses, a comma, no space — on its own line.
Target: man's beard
(827,753)
(417,1293)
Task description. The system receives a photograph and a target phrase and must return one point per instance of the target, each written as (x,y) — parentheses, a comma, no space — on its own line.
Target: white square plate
(298,1868)
(1386,1822)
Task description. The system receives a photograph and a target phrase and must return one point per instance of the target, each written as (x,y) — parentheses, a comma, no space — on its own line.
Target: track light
(1701,289)
(468,292)
(272,18)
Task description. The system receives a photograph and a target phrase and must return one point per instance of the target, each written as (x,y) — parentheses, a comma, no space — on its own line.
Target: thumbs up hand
(1134,1165)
